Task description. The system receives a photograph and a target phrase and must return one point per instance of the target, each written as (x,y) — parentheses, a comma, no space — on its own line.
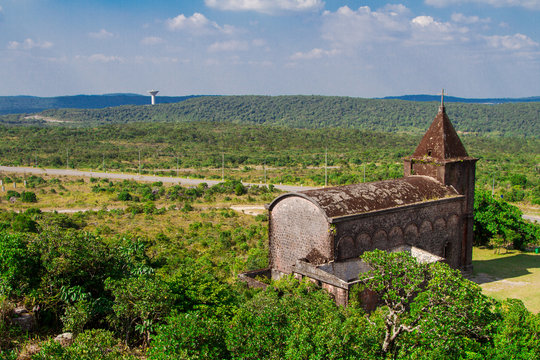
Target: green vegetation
(498,221)
(167,288)
(149,271)
(32,104)
(255,154)
(520,119)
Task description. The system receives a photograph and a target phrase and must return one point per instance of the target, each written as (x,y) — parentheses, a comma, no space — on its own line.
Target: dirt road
(123,176)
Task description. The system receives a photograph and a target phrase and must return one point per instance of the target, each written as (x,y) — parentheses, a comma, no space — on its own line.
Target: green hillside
(317,112)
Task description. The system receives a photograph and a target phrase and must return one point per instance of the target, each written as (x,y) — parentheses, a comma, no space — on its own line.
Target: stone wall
(298,230)
(435,226)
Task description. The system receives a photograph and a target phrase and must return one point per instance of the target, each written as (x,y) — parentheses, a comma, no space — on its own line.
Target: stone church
(319,234)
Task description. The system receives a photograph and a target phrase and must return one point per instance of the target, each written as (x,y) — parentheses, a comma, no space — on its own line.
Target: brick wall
(432,226)
(297,229)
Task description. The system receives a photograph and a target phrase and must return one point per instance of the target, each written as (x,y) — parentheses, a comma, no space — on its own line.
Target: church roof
(355,199)
(441,142)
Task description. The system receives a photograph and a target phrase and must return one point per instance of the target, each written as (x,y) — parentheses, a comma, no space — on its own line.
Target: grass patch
(514,274)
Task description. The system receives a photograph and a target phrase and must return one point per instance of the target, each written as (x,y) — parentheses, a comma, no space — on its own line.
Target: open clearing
(514,274)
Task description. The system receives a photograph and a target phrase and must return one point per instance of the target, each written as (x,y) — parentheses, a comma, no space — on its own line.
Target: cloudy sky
(472,48)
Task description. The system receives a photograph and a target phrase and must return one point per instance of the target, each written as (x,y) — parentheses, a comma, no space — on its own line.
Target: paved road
(122,176)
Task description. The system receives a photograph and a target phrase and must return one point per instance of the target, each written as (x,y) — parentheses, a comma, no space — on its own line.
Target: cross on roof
(442,97)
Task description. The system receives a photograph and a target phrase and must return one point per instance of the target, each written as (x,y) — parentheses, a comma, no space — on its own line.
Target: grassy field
(514,274)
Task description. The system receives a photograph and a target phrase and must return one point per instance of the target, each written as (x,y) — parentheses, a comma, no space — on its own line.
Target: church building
(319,234)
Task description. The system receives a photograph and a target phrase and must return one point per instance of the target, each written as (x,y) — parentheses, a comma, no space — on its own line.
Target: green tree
(429,304)
(289,320)
(140,303)
(18,265)
(494,216)
(518,333)
(193,335)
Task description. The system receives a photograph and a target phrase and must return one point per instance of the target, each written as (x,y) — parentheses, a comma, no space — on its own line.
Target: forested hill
(31,104)
(315,112)
(448,99)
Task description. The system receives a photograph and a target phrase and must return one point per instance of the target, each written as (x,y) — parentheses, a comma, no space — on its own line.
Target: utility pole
(67,159)
(326,167)
(177,174)
(264,169)
(364,172)
(139,162)
(222,167)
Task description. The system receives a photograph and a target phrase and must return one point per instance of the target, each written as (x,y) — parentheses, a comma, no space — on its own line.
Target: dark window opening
(447,252)
(429,152)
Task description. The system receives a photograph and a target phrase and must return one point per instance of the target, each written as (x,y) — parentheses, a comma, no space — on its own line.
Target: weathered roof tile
(360,198)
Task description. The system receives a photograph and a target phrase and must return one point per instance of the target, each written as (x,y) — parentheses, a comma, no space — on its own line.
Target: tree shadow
(507,267)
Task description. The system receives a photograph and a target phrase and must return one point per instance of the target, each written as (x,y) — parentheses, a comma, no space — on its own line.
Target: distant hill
(33,104)
(512,119)
(448,99)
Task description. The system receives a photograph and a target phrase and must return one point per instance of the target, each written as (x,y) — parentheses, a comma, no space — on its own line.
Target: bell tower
(442,156)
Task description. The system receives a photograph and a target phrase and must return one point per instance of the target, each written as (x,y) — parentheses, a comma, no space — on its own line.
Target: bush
(76,316)
(192,335)
(18,265)
(124,196)
(12,193)
(89,345)
(28,196)
(239,189)
(23,223)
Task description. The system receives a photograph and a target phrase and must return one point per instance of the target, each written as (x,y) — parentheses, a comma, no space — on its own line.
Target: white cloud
(157,60)
(266,6)
(1,10)
(460,18)
(29,44)
(152,40)
(259,42)
(528,4)
(395,28)
(347,27)
(314,54)
(232,45)
(101,34)
(101,58)
(511,42)
(426,30)
(197,24)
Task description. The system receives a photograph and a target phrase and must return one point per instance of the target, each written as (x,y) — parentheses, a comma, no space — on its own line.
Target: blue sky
(472,48)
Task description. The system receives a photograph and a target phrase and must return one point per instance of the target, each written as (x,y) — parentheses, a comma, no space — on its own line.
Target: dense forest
(448,99)
(32,104)
(313,112)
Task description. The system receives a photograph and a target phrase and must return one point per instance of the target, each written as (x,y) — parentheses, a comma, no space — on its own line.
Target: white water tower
(153,94)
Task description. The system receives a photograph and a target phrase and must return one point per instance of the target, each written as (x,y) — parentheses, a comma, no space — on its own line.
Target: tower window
(429,152)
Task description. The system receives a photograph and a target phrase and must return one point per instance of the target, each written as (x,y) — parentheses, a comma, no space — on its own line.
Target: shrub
(12,193)
(18,265)
(192,335)
(124,196)
(23,223)
(89,345)
(28,196)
